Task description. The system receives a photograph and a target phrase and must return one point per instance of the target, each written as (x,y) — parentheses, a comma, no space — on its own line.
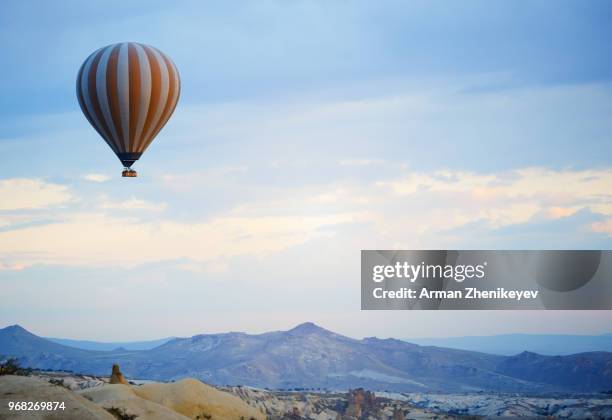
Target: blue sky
(306,131)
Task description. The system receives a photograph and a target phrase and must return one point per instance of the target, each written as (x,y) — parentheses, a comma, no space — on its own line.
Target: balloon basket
(129,173)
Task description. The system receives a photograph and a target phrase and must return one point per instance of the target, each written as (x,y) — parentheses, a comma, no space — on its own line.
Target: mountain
(109,346)
(309,356)
(36,351)
(511,344)
(41,353)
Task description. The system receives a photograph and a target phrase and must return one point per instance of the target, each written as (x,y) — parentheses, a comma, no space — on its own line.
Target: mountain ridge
(309,356)
(501,344)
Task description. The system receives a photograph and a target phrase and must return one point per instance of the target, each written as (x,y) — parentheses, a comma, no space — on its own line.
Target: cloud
(133,204)
(96,177)
(564,185)
(99,239)
(426,204)
(512,197)
(411,209)
(13,267)
(603,227)
(23,193)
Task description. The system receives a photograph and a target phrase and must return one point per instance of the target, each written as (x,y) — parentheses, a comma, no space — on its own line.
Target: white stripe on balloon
(163,98)
(145,94)
(123,91)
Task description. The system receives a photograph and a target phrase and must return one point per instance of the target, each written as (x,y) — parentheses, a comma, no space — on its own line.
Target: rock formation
(192,398)
(294,414)
(398,414)
(361,404)
(121,401)
(117,377)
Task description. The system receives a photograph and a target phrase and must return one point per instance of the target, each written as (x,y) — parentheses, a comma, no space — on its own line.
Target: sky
(305,132)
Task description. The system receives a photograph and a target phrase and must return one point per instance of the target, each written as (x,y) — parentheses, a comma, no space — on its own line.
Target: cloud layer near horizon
(410,209)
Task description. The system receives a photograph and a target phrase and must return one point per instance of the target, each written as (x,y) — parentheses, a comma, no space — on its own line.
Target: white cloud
(416,209)
(133,204)
(24,193)
(512,197)
(563,186)
(101,239)
(96,177)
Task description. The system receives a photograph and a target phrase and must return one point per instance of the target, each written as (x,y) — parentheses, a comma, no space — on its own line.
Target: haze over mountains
(309,356)
(108,346)
(511,344)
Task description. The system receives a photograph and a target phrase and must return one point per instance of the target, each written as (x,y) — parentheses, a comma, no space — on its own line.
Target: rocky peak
(15,329)
(307,328)
(528,355)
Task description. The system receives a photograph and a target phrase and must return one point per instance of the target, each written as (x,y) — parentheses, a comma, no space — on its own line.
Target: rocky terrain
(351,405)
(86,397)
(309,356)
(512,405)
(96,398)
(27,389)
(99,398)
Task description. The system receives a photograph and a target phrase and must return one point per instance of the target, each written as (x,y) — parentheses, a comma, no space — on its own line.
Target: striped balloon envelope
(128,91)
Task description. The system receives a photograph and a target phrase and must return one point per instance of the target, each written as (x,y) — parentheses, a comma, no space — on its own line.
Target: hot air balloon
(128,91)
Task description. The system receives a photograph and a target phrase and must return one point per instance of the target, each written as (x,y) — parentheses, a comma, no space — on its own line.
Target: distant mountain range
(309,356)
(511,344)
(109,346)
(504,344)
